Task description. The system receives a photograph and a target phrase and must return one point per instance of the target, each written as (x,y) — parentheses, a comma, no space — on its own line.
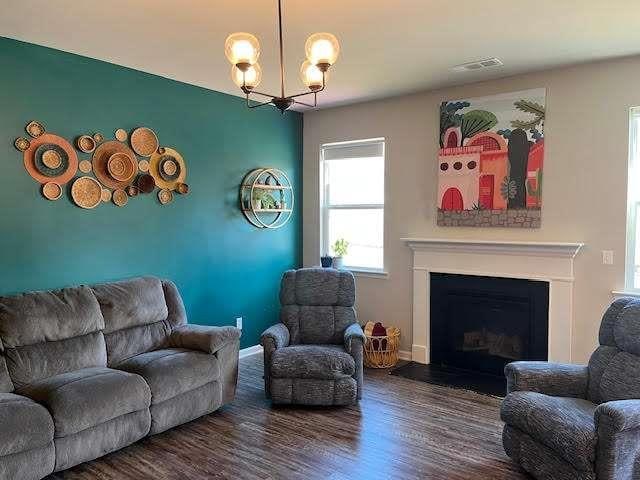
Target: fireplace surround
(550,262)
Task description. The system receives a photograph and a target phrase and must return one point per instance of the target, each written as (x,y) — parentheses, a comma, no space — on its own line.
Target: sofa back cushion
(614,368)
(317,305)
(139,315)
(6,385)
(48,333)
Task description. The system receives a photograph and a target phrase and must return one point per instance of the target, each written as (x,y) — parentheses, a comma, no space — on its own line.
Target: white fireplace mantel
(551,262)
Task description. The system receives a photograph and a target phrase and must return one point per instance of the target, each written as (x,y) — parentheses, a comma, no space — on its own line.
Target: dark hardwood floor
(402,429)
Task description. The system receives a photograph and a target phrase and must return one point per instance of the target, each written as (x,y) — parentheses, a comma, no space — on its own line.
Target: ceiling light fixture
(243,50)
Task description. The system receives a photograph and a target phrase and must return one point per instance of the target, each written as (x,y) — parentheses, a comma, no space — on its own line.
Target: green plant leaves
(477,121)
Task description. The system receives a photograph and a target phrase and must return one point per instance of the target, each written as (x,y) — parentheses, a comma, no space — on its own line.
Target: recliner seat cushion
(324,362)
(86,398)
(24,424)
(565,425)
(173,371)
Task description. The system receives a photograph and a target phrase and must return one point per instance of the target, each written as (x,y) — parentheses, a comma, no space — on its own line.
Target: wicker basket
(381,351)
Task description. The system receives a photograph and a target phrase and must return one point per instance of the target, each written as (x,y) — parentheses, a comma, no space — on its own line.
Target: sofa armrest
(203,338)
(558,379)
(351,333)
(619,415)
(617,426)
(278,334)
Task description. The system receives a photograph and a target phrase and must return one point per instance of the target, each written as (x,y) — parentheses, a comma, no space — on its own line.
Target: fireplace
(480,323)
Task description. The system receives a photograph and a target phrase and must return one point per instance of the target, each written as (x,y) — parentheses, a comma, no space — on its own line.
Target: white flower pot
(338,262)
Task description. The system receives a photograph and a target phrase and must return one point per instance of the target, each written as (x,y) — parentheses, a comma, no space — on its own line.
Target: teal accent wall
(223,266)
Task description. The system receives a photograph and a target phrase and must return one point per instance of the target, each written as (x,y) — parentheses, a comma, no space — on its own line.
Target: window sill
(626,293)
(360,272)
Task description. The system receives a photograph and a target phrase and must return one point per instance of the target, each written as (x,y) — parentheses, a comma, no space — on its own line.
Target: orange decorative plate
(30,164)
(51,191)
(158,160)
(101,158)
(86,192)
(120,198)
(144,141)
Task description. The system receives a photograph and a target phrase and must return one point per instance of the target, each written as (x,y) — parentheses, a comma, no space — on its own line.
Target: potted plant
(340,249)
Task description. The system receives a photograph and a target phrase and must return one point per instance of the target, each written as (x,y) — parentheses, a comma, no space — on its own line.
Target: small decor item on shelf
(35,128)
(85,143)
(340,249)
(51,191)
(326,261)
(381,345)
(265,194)
(98,137)
(120,197)
(121,135)
(21,144)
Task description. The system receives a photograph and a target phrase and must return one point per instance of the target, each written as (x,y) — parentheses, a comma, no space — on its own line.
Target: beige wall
(584,199)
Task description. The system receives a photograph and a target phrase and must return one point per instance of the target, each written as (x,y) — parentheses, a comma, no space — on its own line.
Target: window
(352,201)
(633,204)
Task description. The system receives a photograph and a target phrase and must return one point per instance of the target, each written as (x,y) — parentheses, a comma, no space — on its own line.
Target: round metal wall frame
(277,184)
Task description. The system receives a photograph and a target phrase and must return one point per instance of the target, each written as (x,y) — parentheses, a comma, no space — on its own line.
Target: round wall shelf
(266,197)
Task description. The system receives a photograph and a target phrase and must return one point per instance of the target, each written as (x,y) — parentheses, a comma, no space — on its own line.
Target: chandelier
(243,50)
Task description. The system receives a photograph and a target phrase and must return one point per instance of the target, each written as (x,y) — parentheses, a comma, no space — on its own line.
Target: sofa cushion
(318,287)
(24,424)
(173,371)
(50,333)
(565,425)
(85,398)
(312,361)
(6,385)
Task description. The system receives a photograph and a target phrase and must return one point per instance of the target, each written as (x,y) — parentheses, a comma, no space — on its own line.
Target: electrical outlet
(607,257)
(239,322)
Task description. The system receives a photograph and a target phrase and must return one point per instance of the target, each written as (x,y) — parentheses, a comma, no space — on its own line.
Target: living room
(323,249)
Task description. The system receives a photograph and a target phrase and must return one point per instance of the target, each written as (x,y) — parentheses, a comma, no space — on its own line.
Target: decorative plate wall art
(118,172)
(490,161)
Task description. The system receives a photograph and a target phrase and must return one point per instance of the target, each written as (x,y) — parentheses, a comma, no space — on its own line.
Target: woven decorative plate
(146,183)
(86,192)
(98,138)
(165,196)
(50,160)
(106,195)
(35,129)
(22,144)
(132,190)
(169,168)
(121,167)
(84,166)
(43,174)
(156,163)
(120,197)
(101,157)
(182,188)
(51,191)
(121,135)
(144,141)
(143,165)
(85,143)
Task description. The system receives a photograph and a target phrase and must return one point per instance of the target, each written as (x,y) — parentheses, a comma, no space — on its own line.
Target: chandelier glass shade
(243,50)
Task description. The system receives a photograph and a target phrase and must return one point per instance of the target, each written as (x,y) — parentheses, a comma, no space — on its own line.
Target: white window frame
(633,199)
(325,248)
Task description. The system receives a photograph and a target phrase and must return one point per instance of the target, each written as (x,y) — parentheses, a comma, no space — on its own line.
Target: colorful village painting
(491,160)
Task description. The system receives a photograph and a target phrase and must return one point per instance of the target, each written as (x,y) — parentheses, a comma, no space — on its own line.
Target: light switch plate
(607,257)
(239,322)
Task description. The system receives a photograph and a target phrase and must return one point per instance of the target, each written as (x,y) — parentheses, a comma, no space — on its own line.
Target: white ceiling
(388,47)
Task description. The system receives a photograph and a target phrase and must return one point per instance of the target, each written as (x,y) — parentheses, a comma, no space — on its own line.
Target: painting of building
(490,161)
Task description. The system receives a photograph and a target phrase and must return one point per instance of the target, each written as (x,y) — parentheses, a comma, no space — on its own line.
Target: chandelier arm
(281,49)
(262,93)
(256,104)
(298,102)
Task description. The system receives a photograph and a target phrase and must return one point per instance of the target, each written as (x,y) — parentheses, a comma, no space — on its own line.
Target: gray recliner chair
(580,422)
(314,356)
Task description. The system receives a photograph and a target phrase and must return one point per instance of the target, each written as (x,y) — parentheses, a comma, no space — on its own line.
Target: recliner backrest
(317,304)
(139,315)
(48,333)
(614,368)
(6,385)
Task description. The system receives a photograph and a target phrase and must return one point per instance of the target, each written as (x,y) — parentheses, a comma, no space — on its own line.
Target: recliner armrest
(351,333)
(620,415)
(278,334)
(557,379)
(205,338)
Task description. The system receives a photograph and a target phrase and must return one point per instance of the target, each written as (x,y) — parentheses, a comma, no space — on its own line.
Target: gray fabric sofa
(575,422)
(314,356)
(88,370)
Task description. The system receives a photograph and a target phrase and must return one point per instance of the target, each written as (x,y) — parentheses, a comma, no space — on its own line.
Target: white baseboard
(253,350)
(404,355)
